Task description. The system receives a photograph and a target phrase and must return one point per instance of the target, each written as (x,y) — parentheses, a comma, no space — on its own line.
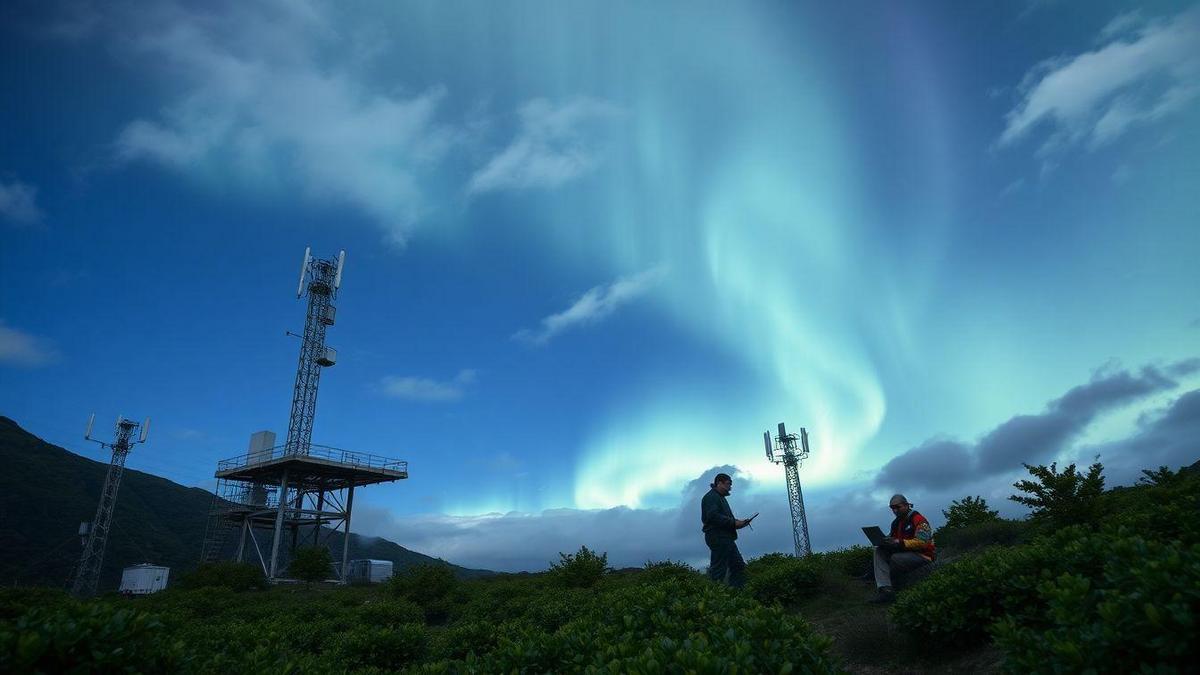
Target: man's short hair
(898,499)
(721,478)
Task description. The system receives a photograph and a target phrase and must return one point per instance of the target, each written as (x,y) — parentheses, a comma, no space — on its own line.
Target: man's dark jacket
(717,516)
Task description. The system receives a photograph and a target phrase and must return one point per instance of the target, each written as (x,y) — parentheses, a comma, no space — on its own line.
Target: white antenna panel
(303,270)
(337,279)
(87,435)
(767,444)
(145,430)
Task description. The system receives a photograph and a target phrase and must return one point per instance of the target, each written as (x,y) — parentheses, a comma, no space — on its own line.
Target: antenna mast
(790,450)
(323,277)
(88,574)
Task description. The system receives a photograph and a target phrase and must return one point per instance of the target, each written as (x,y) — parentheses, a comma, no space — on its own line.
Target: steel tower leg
(283,483)
(346,539)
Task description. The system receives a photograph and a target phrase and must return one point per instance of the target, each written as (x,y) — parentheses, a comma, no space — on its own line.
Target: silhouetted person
(909,546)
(720,533)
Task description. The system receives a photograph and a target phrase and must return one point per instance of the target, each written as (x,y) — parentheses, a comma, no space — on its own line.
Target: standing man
(720,533)
(909,546)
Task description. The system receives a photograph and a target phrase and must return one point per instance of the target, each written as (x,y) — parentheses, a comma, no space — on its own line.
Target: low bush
(384,648)
(232,575)
(424,583)
(852,561)
(1000,532)
(676,626)
(1138,616)
(582,569)
(784,579)
(390,612)
(88,638)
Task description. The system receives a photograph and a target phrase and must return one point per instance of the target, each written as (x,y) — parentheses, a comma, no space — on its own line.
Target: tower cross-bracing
(296,488)
(87,575)
(790,450)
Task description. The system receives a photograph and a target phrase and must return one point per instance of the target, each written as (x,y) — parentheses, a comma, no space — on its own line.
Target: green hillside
(47,491)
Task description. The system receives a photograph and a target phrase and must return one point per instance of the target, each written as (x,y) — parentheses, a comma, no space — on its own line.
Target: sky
(594,250)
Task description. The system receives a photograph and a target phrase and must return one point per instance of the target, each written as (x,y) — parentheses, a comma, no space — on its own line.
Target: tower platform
(321,468)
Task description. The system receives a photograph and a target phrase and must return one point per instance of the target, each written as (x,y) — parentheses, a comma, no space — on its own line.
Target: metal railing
(350,457)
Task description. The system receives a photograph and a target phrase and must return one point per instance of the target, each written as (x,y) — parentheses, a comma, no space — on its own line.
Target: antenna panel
(303,270)
(767,444)
(145,431)
(87,435)
(782,431)
(337,278)
(804,439)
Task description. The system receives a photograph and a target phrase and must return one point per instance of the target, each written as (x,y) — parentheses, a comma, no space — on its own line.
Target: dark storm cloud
(1030,438)
(1170,437)
(932,464)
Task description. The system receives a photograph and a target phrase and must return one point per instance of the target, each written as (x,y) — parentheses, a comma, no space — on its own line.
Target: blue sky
(595,249)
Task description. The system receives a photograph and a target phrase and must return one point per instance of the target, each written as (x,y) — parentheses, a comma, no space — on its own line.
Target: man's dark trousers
(726,559)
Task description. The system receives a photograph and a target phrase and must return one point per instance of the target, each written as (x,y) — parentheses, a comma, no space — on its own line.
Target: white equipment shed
(144,579)
(370,571)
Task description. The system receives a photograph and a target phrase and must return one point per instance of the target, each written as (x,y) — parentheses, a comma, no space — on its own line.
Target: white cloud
(18,203)
(427,389)
(596,304)
(22,349)
(1094,98)
(254,95)
(553,147)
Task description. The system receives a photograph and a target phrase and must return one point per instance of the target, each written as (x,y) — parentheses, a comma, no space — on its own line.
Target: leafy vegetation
(582,569)
(232,575)
(969,512)
(311,563)
(1061,499)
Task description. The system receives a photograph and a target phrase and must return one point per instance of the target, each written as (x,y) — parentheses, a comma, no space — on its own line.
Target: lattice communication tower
(790,450)
(296,488)
(87,575)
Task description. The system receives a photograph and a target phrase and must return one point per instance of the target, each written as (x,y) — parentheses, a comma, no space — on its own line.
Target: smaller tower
(88,574)
(789,450)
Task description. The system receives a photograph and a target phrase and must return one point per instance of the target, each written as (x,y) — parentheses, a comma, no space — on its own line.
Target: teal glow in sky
(594,250)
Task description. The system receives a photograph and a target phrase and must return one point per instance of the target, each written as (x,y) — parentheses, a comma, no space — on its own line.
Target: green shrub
(582,569)
(781,578)
(384,648)
(16,601)
(969,511)
(390,612)
(1139,616)
(232,575)
(311,563)
(854,560)
(665,570)
(681,626)
(88,638)
(1001,532)
(1062,499)
(424,583)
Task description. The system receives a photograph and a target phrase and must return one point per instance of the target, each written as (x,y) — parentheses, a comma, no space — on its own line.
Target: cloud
(553,146)
(1029,438)
(1168,437)
(1095,97)
(24,350)
(18,203)
(426,389)
(519,541)
(594,305)
(275,96)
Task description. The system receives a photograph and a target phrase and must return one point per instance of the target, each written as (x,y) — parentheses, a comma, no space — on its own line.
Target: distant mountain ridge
(46,491)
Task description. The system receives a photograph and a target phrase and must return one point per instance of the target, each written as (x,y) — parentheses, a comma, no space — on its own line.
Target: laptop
(875,535)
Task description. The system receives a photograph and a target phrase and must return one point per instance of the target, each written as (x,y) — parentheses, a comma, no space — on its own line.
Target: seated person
(909,546)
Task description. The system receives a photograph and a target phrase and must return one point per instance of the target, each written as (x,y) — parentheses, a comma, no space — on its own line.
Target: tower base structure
(268,496)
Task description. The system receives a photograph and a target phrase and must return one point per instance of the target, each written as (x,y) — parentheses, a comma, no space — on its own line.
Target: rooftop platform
(321,466)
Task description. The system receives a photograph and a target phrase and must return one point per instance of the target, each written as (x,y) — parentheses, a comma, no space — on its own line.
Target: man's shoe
(883,596)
